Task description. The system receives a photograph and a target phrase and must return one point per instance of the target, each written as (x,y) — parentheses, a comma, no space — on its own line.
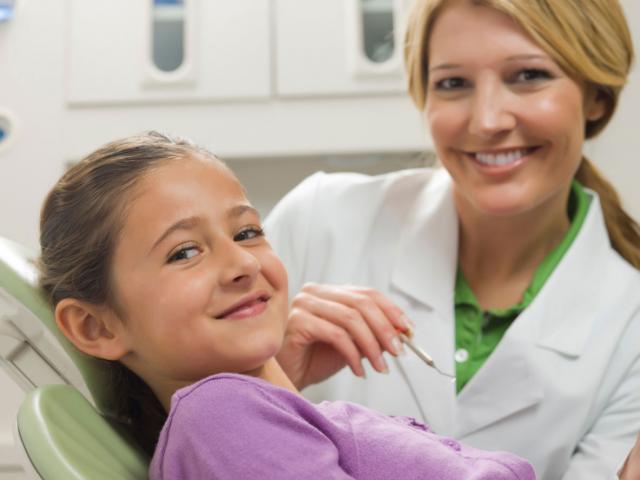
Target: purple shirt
(232,426)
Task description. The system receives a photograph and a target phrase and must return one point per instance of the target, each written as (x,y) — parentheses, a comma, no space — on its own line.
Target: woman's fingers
(371,318)
(315,349)
(349,321)
(337,338)
(394,313)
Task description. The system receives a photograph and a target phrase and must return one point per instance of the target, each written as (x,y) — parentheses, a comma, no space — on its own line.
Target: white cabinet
(110,52)
(320,47)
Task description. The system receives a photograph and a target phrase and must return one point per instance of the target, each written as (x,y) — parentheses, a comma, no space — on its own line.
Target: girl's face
(198,289)
(507,122)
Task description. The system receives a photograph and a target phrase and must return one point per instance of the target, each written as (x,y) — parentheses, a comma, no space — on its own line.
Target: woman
(155,262)
(515,262)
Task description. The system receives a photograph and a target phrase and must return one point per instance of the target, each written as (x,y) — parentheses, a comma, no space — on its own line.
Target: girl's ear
(94,330)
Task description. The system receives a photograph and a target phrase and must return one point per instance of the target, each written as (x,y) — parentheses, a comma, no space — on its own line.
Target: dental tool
(424,356)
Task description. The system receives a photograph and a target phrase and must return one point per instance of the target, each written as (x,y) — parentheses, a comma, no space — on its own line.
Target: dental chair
(62,430)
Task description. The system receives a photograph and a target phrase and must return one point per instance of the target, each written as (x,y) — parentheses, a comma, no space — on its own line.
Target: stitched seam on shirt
(268,396)
(169,421)
(355,441)
(493,460)
(163,449)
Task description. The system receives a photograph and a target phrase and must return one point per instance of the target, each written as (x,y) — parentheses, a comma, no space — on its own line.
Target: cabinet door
(111,50)
(339,47)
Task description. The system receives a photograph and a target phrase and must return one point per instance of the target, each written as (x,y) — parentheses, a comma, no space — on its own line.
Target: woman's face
(507,122)
(198,288)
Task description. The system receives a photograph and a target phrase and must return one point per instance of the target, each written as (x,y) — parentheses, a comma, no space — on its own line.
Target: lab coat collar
(506,384)
(565,314)
(431,229)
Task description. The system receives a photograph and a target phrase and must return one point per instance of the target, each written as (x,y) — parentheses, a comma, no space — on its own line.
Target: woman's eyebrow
(512,58)
(183,224)
(445,66)
(528,56)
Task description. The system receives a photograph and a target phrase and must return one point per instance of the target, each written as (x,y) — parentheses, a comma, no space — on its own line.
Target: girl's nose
(241,267)
(491,109)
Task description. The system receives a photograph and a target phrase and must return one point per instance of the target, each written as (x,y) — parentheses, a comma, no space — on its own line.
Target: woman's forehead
(463,30)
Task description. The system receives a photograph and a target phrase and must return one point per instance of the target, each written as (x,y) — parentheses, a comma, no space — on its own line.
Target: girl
(155,261)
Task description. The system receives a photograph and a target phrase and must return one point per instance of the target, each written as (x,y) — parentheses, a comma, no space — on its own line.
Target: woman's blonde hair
(590,41)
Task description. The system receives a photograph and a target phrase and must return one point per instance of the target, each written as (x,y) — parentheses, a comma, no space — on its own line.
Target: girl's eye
(532,75)
(185,253)
(453,83)
(248,234)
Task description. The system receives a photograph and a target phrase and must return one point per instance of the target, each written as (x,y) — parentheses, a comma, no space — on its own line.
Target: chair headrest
(19,278)
(65,437)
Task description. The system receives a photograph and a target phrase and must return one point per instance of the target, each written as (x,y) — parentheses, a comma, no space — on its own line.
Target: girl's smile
(250,306)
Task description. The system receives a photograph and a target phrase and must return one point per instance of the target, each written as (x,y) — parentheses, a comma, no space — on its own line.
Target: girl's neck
(499,255)
(272,372)
(269,371)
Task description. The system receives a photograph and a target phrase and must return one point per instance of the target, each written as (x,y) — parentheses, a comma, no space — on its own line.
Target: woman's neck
(499,255)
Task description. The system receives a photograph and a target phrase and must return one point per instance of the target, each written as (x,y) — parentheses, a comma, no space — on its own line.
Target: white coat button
(461,355)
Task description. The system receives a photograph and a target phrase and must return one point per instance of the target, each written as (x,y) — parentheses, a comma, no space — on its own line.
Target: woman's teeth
(502,158)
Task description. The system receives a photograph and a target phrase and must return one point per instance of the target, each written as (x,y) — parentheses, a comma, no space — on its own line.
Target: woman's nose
(241,267)
(491,110)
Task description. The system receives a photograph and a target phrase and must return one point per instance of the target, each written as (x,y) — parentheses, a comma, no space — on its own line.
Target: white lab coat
(561,389)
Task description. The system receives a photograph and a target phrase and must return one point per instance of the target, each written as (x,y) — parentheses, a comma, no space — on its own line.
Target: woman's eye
(453,83)
(184,253)
(248,234)
(532,75)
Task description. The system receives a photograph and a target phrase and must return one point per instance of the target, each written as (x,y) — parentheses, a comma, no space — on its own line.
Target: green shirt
(478,332)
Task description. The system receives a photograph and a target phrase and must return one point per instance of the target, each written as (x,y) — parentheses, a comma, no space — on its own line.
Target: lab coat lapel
(564,315)
(560,318)
(426,261)
(423,277)
(507,383)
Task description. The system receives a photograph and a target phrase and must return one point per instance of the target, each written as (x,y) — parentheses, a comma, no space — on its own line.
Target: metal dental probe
(424,356)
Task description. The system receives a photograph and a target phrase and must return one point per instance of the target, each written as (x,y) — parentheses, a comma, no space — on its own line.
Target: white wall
(31,89)
(617,151)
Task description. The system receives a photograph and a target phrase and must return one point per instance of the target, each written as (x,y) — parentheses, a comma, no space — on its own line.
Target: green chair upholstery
(62,434)
(65,438)
(18,281)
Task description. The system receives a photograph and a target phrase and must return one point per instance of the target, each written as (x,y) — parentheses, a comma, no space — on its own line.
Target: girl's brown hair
(79,225)
(590,40)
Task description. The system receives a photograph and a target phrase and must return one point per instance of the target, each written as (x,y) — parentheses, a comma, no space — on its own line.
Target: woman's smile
(501,161)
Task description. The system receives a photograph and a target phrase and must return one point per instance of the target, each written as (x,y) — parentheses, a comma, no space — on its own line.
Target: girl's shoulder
(230,389)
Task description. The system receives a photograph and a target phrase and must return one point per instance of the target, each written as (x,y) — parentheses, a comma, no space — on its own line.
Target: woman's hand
(331,326)
(631,468)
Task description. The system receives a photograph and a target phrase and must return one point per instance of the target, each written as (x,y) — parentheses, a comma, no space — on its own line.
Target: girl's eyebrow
(241,209)
(183,224)
(190,223)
